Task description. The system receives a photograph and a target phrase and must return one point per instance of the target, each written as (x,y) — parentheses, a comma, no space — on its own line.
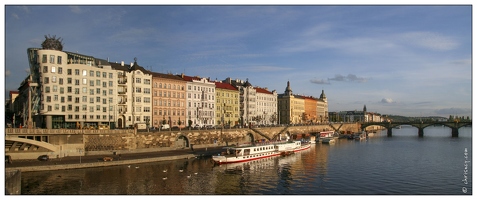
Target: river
(403,164)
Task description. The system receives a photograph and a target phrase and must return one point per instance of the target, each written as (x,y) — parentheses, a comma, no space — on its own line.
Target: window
(110,75)
(147,81)
(84,99)
(77,72)
(59,61)
(138,89)
(43,58)
(110,84)
(138,80)
(98,91)
(85,72)
(138,99)
(85,90)
(98,74)
(53,69)
(91,91)
(98,108)
(110,91)
(69,89)
(47,80)
(77,90)
(147,109)
(55,98)
(104,101)
(85,81)
(55,88)
(47,89)
(91,73)
(53,79)
(69,98)
(48,98)
(45,69)
(49,108)
(98,99)
(98,82)
(104,75)
(77,99)
(57,106)
(77,82)
(62,90)
(52,59)
(62,99)
(147,91)
(61,81)
(91,82)
(68,71)
(104,84)
(91,100)
(69,80)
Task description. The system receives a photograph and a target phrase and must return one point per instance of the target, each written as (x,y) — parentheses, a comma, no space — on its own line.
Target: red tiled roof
(261,90)
(224,86)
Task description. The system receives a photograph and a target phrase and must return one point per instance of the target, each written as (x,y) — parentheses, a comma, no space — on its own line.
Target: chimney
(122,63)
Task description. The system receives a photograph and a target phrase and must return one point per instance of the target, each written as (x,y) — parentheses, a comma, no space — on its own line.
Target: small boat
(329,140)
(327,134)
(254,152)
(360,136)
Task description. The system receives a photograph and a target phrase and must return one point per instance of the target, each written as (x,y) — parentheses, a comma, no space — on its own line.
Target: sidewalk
(120,159)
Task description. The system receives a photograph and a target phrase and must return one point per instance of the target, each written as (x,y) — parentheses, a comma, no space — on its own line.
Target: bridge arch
(183,138)
(33,145)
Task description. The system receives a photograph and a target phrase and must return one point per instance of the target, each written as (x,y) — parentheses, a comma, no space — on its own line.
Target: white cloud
(387,100)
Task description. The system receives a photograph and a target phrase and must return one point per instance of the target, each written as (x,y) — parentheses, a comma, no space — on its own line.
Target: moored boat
(328,141)
(254,152)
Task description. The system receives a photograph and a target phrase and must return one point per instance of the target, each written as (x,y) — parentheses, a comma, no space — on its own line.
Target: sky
(409,60)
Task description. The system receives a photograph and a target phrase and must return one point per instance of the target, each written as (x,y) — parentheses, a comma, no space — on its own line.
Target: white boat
(326,135)
(254,152)
(360,136)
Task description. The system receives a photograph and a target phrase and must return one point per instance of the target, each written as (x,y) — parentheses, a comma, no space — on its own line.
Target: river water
(403,164)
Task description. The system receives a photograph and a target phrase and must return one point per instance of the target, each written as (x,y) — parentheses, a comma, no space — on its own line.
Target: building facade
(266,106)
(169,100)
(200,98)
(72,90)
(134,96)
(298,109)
(227,103)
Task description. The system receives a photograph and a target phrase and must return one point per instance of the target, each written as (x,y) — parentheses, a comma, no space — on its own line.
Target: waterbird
(196,173)
(164,178)
(129,166)
(181,170)
(137,167)
(164,170)
(188,176)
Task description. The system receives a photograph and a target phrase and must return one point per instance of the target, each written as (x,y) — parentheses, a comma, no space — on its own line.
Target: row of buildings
(71,90)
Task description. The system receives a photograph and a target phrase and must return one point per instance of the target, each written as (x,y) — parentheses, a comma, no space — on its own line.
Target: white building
(200,98)
(134,96)
(73,90)
(266,106)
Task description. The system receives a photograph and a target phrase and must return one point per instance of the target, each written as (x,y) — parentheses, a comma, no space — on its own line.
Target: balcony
(122,82)
(122,92)
(122,102)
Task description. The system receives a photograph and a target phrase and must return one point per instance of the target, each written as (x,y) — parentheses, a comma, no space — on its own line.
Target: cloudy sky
(403,60)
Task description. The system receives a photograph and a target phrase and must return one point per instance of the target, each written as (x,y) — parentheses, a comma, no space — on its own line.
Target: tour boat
(254,152)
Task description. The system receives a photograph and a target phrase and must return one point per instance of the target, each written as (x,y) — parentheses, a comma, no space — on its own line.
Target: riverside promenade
(75,162)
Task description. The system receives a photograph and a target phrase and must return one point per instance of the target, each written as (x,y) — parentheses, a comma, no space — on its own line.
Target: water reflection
(402,164)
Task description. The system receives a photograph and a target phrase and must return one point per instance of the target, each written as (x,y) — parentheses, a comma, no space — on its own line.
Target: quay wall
(123,141)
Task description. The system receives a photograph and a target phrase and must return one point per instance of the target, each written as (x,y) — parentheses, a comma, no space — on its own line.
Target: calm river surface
(403,164)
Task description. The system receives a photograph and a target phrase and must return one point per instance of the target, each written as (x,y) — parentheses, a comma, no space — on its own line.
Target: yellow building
(227,101)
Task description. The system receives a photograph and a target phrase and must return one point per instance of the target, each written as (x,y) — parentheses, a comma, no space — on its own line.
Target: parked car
(107,158)
(43,158)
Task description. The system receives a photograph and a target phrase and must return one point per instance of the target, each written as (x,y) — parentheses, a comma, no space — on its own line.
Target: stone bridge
(454,126)
(58,143)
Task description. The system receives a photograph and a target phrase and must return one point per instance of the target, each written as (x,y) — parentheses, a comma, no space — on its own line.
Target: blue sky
(404,60)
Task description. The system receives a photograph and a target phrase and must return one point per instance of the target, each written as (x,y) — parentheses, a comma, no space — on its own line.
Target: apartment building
(227,103)
(200,98)
(169,100)
(266,106)
(134,96)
